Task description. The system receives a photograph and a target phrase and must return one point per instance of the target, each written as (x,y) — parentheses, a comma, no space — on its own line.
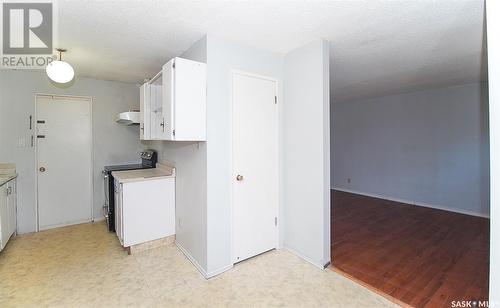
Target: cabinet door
(190,96)
(168,89)
(4,221)
(157,126)
(12,206)
(118,212)
(145,114)
(148,210)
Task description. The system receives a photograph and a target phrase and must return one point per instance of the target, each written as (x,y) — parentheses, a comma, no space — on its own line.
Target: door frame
(277,137)
(34,132)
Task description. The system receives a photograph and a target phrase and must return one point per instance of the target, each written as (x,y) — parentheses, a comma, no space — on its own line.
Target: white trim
(98,219)
(427,205)
(202,271)
(77,222)
(234,72)
(34,132)
(307,259)
(219,271)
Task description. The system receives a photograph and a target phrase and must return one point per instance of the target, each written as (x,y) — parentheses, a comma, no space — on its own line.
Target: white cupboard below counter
(173,103)
(8,206)
(145,205)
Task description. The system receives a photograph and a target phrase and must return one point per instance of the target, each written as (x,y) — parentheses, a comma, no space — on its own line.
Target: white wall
(191,184)
(306,147)
(113,143)
(191,197)
(204,215)
(222,57)
(428,147)
(204,180)
(493,20)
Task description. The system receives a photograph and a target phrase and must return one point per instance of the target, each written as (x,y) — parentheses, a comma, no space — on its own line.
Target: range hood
(128,118)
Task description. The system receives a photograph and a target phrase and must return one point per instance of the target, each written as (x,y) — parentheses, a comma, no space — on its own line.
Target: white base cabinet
(145,210)
(8,212)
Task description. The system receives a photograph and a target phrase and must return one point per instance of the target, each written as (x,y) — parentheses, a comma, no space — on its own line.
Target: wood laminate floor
(420,256)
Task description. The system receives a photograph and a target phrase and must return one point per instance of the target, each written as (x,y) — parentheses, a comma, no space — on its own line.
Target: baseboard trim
(192,259)
(219,271)
(298,254)
(74,223)
(432,206)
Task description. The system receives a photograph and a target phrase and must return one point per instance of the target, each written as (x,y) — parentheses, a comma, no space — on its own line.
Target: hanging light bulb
(60,71)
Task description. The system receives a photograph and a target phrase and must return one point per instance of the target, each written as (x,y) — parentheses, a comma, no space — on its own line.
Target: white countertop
(162,170)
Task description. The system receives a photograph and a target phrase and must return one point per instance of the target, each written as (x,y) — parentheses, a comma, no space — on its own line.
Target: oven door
(105,207)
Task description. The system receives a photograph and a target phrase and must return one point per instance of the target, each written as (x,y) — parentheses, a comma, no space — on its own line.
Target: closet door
(255,166)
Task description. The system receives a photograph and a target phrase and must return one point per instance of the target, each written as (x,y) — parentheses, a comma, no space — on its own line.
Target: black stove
(149,159)
(124,167)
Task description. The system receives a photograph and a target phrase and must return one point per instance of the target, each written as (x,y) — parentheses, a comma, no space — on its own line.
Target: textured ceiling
(377,47)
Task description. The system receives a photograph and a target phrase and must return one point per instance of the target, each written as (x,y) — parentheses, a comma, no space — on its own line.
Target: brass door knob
(239,178)
(42,169)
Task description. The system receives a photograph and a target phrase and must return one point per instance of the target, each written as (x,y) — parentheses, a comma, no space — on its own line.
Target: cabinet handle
(162,124)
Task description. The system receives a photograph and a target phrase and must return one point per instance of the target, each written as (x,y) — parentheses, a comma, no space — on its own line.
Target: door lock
(239,178)
(42,169)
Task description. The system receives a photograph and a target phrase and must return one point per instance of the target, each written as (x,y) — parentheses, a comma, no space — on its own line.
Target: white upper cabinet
(173,103)
(145,114)
(156,118)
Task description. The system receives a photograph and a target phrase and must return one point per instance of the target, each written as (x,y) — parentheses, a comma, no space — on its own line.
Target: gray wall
(222,57)
(203,187)
(113,143)
(493,19)
(306,151)
(191,183)
(428,148)
(204,216)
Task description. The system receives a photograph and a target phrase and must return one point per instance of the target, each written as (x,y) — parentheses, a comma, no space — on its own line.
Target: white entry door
(255,166)
(64,169)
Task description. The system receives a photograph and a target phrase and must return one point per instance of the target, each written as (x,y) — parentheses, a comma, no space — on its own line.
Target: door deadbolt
(239,178)
(42,169)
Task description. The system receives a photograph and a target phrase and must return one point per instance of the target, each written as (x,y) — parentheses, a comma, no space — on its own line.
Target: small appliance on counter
(149,159)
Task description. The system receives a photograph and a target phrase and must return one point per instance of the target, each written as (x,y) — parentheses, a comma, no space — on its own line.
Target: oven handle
(106,193)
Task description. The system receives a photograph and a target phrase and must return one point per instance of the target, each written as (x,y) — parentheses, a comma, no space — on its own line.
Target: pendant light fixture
(60,71)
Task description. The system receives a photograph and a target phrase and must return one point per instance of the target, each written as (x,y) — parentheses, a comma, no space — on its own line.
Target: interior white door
(255,166)
(64,169)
